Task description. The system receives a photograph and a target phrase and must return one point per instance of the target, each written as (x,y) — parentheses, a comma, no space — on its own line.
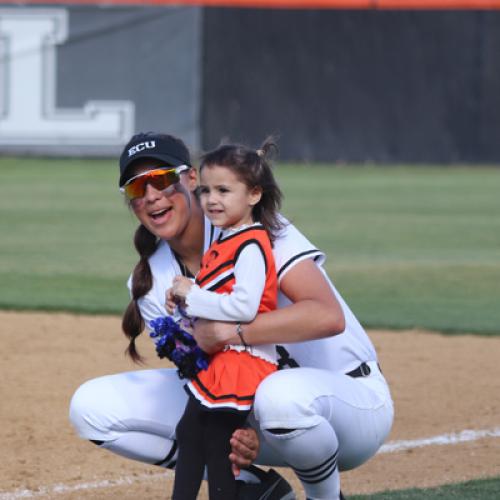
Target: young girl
(237,280)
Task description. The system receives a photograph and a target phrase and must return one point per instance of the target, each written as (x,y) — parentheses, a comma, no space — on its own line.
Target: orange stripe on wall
(286,4)
(438,4)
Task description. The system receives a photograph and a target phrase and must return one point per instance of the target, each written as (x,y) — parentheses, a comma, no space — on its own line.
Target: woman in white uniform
(328,409)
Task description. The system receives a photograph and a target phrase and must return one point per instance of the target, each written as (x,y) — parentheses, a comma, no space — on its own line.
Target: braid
(142,280)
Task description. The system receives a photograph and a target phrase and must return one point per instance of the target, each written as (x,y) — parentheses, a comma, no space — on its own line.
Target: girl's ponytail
(142,280)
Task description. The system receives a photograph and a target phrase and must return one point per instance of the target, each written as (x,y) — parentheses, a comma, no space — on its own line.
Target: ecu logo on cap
(141,147)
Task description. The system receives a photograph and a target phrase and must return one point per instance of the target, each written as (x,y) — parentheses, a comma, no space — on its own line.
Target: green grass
(407,247)
(66,241)
(480,489)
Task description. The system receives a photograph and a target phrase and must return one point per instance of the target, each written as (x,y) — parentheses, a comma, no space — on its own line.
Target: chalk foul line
(390,447)
(443,439)
(60,488)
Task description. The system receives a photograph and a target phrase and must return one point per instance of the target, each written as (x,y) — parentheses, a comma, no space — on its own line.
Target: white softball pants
(315,421)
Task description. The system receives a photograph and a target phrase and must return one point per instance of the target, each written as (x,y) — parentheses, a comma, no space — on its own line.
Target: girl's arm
(314,314)
(243,302)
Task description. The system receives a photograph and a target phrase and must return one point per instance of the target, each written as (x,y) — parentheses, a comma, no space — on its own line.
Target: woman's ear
(191,179)
(254,196)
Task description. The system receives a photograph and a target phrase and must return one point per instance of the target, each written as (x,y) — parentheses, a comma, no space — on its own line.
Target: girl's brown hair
(253,167)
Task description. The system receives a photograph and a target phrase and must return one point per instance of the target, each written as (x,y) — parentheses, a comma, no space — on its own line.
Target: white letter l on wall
(28,114)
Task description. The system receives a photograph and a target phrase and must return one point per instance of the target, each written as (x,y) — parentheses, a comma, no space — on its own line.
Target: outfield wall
(334,85)
(417,86)
(80,80)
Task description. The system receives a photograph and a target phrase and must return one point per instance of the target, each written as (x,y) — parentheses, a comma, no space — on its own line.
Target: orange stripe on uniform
(233,376)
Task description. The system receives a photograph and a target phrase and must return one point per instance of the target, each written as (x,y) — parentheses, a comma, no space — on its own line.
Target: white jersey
(342,352)
(343,420)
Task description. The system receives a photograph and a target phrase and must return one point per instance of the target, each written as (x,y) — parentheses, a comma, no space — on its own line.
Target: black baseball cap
(163,147)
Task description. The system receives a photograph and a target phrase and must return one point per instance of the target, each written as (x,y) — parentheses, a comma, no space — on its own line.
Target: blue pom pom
(178,345)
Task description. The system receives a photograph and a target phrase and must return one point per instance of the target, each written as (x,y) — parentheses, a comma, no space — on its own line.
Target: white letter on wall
(28,114)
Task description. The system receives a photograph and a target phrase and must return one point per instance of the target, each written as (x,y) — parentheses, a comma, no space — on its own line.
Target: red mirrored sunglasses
(160,178)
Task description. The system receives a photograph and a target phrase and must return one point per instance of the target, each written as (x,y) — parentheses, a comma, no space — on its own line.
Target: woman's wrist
(239,332)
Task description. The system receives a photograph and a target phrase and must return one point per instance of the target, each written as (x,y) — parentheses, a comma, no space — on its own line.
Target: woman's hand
(212,336)
(244,449)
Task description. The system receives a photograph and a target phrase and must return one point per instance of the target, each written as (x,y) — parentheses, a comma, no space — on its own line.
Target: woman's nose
(151,193)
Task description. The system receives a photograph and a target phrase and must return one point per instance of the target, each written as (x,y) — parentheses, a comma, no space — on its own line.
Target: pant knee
(77,409)
(276,406)
(84,414)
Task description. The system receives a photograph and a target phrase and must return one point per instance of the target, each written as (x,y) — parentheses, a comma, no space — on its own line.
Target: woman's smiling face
(164,213)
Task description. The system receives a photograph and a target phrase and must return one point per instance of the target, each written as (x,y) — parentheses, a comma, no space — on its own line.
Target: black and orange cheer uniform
(233,374)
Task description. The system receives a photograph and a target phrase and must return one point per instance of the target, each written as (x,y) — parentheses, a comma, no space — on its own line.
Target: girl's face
(225,199)
(166,214)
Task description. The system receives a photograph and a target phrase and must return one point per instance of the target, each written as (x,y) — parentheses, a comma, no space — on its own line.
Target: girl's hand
(180,287)
(212,336)
(170,303)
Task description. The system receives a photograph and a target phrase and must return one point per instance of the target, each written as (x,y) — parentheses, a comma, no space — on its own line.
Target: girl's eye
(203,190)
(223,190)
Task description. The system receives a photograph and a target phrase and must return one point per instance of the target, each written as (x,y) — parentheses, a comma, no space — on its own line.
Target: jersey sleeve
(292,247)
(243,302)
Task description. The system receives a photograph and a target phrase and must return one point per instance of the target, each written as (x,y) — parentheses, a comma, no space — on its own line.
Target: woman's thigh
(150,401)
(359,410)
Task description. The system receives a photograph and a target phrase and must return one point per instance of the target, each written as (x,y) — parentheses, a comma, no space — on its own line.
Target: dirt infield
(440,385)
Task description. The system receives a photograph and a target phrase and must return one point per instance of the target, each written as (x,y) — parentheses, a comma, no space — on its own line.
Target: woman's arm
(314,314)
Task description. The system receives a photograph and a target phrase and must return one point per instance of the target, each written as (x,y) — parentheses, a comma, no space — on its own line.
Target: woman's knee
(283,401)
(84,412)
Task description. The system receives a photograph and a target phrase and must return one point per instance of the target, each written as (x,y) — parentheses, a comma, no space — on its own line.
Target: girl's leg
(191,460)
(133,414)
(222,484)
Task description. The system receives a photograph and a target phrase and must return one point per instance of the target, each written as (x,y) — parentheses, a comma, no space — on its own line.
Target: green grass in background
(480,489)
(407,247)
(66,236)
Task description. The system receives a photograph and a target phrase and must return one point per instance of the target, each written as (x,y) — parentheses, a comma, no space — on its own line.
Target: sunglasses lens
(163,181)
(135,189)
(159,179)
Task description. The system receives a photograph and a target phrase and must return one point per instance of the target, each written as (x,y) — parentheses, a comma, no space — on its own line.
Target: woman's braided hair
(146,244)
